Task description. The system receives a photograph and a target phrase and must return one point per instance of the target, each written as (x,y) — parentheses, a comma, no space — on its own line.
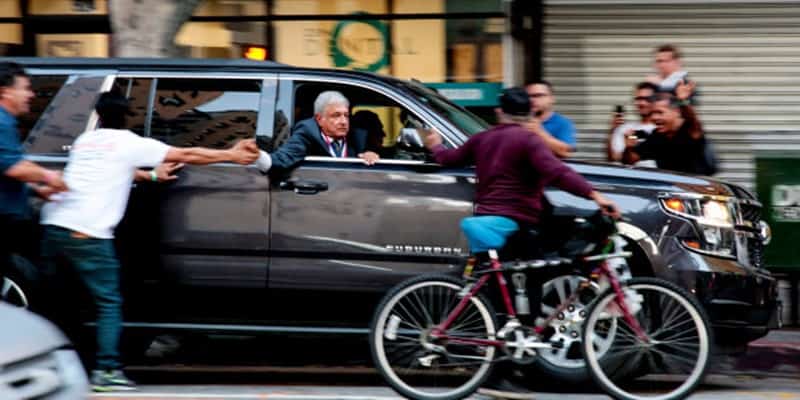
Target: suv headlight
(713,217)
(707,211)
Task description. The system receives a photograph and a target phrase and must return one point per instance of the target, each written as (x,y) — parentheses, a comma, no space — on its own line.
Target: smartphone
(619,109)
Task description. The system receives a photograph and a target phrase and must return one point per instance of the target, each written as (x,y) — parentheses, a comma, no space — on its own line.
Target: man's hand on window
(369,157)
(432,139)
(166,171)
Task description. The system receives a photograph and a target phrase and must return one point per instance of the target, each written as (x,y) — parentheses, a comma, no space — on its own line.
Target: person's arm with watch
(163,173)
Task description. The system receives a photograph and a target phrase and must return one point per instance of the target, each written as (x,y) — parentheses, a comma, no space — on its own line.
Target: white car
(36,359)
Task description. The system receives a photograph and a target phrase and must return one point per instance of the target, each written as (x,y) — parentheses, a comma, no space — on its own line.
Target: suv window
(378,118)
(66,117)
(44,89)
(212,113)
(137,91)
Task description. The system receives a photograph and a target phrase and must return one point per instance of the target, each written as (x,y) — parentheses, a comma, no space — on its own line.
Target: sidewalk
(777,354)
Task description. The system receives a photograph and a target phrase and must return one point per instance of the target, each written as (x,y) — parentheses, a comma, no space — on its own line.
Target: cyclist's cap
(515,101)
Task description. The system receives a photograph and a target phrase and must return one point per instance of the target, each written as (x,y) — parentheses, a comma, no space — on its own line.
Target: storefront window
(329,7)
(219,8)
(9,9)
(66,7)
(475,50)
(72,45)
(435,49)
(474,6)
(220,40)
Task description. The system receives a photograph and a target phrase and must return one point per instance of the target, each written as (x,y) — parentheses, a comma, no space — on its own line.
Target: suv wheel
(564,365)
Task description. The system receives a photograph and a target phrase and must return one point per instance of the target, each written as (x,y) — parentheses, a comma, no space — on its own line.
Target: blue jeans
(96,264)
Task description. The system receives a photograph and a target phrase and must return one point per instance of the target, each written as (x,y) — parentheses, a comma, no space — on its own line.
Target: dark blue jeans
(96,264)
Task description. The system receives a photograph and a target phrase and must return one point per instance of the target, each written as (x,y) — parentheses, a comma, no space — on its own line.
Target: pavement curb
(776,355)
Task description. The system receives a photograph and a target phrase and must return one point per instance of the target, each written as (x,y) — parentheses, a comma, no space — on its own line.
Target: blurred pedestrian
(18,175)
(557,131)
(669,67)
(644,95)
(79,227)
(679,143)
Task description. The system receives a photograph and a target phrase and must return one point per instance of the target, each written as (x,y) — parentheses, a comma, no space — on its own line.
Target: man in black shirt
(679,143)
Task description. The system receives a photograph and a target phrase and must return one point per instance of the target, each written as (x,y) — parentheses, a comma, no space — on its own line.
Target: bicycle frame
(496,270)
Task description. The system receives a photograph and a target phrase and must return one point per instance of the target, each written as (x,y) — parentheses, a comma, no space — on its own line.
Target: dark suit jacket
(306,140)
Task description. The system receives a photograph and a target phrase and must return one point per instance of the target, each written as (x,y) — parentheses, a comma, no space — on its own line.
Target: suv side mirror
(410,138)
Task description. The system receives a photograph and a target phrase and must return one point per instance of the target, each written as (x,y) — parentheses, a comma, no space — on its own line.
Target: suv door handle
(303,186)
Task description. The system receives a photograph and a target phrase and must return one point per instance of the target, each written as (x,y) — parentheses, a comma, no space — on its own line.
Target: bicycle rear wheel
(667,367)
(418,366)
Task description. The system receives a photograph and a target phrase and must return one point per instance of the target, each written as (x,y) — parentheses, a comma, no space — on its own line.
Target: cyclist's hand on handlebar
(606,206)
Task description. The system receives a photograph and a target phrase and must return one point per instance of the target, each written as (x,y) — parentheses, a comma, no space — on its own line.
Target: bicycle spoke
(667,363)
(451,365)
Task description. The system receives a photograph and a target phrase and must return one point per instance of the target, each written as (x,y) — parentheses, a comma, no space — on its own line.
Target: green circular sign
(362,45)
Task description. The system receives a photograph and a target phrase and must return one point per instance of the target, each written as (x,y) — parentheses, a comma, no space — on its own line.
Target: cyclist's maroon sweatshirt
(513,166)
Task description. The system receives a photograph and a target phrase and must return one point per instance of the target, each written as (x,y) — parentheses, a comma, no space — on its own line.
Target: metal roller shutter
(744,56)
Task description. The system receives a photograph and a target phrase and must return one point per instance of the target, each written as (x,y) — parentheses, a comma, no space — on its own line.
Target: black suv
(226,249)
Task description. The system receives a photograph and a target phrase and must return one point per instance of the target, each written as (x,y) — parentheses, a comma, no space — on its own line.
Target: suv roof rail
(142,62)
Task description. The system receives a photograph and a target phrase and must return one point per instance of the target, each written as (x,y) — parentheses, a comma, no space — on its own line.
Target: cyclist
(513,166)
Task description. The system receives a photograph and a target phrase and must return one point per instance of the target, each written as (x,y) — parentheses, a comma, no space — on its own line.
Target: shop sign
(361,45)
(473,94)
(786,203)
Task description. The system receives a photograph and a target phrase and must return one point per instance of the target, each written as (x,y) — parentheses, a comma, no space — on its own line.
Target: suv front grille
(750,213)
(755,249)
(751,216)
(33,378)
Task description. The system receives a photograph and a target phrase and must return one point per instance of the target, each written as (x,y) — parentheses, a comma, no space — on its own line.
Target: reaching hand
(53,179)
(166,171)
(432,139)
(684,90)
(369,157)
(534,125)
(606,206)
(630,139)
(245,152)
(44,191)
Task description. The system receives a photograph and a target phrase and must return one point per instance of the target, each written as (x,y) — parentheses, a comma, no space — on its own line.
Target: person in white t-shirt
(668,64)
(79,225)
(644,95)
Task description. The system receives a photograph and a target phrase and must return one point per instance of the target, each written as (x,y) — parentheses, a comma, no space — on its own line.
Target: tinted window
(137,91)
(66,117)
(44,88)
(466,121)
(213,113)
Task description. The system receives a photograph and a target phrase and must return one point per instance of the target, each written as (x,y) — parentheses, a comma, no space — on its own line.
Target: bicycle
(436,337)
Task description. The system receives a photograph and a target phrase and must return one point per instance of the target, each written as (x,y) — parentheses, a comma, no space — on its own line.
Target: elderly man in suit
(326,134)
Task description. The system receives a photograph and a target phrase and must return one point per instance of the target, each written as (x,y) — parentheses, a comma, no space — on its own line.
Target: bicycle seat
(488,232)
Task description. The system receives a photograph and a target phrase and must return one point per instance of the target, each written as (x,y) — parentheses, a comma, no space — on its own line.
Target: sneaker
(111,381)
(503,389)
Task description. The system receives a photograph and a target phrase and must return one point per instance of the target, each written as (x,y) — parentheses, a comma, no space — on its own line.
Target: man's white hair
(327,98)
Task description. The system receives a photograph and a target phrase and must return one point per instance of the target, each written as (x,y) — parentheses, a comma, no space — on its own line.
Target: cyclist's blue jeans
(488,232)
(98,268)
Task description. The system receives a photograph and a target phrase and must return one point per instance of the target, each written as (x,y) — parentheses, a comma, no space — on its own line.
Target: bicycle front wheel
(418,366)
(669,364)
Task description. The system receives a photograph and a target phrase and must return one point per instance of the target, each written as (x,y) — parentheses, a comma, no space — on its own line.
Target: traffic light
(254,52)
